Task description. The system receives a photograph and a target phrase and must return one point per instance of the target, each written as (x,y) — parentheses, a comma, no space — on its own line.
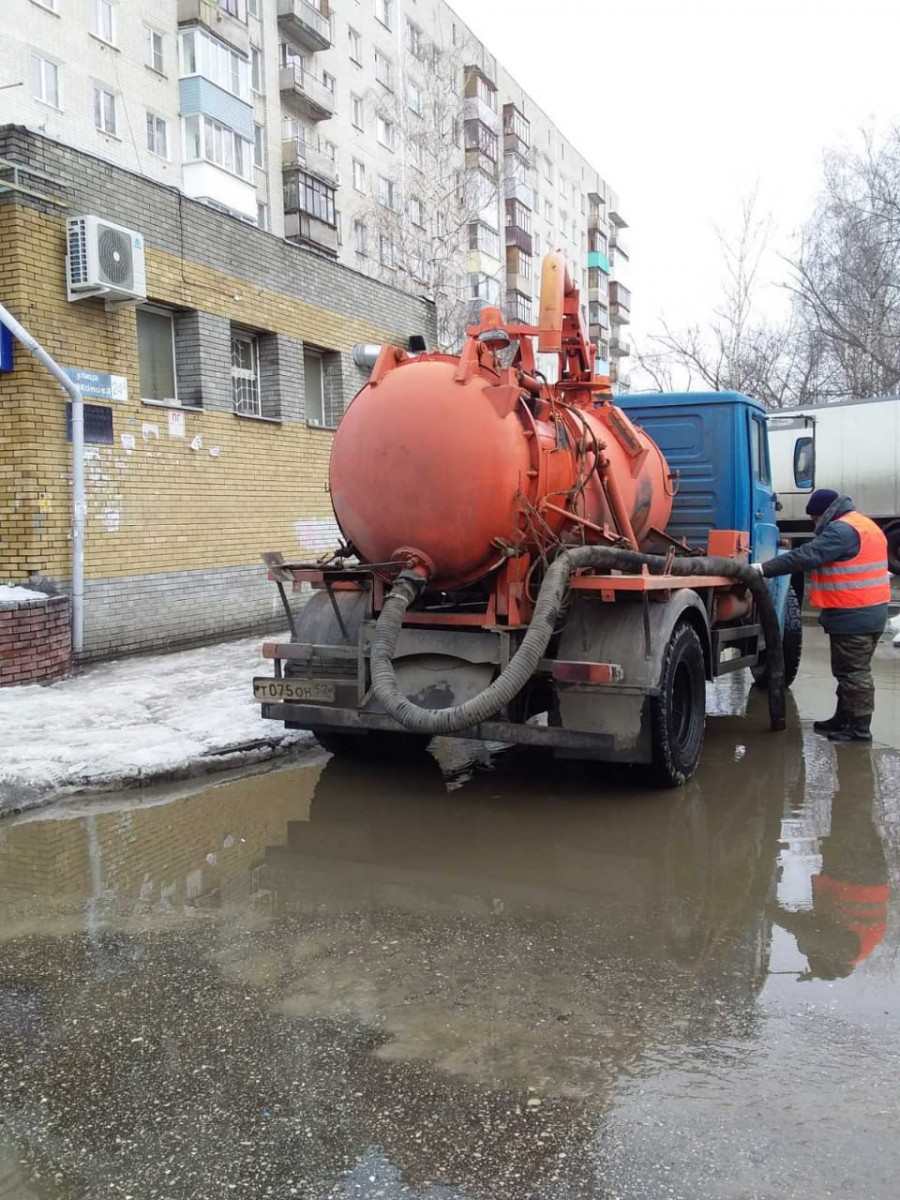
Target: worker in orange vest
(849,581)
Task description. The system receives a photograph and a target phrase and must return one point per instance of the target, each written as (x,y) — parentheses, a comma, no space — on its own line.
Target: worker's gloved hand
(756,567)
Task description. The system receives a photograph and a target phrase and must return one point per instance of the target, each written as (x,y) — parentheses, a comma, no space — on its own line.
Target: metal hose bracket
(523,664)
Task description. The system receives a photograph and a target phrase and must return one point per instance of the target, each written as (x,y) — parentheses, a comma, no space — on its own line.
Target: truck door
(764,531)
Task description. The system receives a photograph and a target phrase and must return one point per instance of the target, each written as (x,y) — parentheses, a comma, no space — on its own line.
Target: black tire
(678,713)
(373,746)
(791,642)
(892,533)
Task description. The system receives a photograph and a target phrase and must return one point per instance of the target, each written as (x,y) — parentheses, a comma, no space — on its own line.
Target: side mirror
(804,463)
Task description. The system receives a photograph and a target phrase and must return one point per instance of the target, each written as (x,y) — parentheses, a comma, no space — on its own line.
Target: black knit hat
(821,499)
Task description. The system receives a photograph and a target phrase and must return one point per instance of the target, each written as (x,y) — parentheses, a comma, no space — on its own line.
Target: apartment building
(378,132)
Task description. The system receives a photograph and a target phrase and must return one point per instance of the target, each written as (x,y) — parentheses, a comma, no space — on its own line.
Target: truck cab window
(759,450)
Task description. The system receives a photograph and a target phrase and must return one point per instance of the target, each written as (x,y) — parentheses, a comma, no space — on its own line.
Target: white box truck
(852,447)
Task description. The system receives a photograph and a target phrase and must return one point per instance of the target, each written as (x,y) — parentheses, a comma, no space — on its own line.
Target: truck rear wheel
(678,713)
(792,644)
(892,533)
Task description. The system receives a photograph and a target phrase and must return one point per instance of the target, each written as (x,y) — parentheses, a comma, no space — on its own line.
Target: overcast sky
(686,105)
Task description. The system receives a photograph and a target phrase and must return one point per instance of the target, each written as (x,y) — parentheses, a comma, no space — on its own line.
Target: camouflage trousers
(851,665)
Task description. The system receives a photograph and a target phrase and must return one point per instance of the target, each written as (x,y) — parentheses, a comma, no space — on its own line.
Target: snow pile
(137,721)
(13,594)
(894,628)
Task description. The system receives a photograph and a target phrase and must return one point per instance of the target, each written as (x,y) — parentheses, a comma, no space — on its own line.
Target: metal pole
(21,334)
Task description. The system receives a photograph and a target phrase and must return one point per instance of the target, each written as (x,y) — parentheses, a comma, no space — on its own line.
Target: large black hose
(522,665)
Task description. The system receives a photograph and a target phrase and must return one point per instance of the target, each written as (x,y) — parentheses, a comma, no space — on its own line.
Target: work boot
(838,721)
(857,729)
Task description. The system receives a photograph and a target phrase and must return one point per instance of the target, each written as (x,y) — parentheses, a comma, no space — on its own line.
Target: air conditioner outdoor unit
(104,260)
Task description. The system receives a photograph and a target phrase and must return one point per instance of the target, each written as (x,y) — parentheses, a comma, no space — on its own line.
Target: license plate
(297,691)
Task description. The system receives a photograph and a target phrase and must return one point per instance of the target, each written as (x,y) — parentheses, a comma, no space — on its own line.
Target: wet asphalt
(480,976)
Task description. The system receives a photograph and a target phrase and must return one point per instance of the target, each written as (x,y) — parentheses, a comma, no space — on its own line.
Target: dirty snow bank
(136,721)
(12,593)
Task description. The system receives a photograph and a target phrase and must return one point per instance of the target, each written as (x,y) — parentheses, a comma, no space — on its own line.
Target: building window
(479,137)
(202,54)
(414,40)
(259,146)
(548,211)
(256,71)
(50,5)
(548,168)
(157,135)
(359,175)
(356,111)
(234,8)
(156,355)
(384,71)
(384,132)
(262,215)
(245,374)
(312,196)
(359,237)
(414,97)
(384,12)
(103,21)
(386,192)
(105,111)
(518,308)
(416,211)
(153,49)
(417,153)
(45,80)
(253,7)
(313,388)
(355,47)
(328,81)
(386,251)
(517,125)
(207,139)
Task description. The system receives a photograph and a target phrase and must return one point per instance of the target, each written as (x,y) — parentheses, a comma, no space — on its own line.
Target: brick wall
(175,524)
(35,640)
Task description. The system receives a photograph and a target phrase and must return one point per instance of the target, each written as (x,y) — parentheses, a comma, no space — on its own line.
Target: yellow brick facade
(162,506)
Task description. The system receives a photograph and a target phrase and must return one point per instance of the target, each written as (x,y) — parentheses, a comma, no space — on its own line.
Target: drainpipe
(21,334)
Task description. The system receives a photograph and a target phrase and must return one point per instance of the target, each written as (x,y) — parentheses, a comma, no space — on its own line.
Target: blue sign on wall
(100,384)
(6,349)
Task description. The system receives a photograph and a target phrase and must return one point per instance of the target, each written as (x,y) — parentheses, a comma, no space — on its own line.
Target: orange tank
(462,462)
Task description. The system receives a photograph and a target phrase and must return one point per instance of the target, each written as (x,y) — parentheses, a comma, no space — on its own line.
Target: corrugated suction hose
(523,664)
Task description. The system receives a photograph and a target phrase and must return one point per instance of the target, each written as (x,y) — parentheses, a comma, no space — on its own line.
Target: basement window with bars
(245,388)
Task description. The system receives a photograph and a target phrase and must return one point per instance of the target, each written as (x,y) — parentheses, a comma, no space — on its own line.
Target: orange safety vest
(857,582)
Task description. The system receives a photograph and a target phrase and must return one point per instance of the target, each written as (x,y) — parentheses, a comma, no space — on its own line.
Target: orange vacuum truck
(509,571)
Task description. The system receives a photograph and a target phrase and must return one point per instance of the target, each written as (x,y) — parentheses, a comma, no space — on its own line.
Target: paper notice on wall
(176,424)
(197,442)
(214,452)
(128,442)
(149,431)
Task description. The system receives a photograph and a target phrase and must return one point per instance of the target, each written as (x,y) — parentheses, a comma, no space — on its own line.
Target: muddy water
(481,976)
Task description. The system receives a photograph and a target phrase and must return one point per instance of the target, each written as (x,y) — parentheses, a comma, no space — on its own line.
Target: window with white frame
(359,237)
(157,135)
(153,49)
(259,145)
(359,175)
(105,115)
(386,192)
(356,50)
(356,111)
(414,43)
(235,8)
(313,388)
(384,70)
(386,251)
(384,132)
(416,211)
(156,355)
(103,20)
(384,12)
(256,70)
(245,373)
(253,8)
(329,81)
(414,97)
(417,153)
(262,215)
(45,80)
(206,139)
(202,54)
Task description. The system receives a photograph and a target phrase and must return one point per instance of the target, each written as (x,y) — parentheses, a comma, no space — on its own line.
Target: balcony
(304,23)
(619,303)
(212,16)
(306,230)
(485,240)
(515,189)
(520,238)
(478,160)
(617,244)
(616,219)
(521,284)
(596,258)
(297,152)
(619,347)
(516,130)
(306,93)
(518,304)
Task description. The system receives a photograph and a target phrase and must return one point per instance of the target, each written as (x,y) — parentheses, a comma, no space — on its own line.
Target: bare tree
(846,276)
(739,348)
(418,215)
